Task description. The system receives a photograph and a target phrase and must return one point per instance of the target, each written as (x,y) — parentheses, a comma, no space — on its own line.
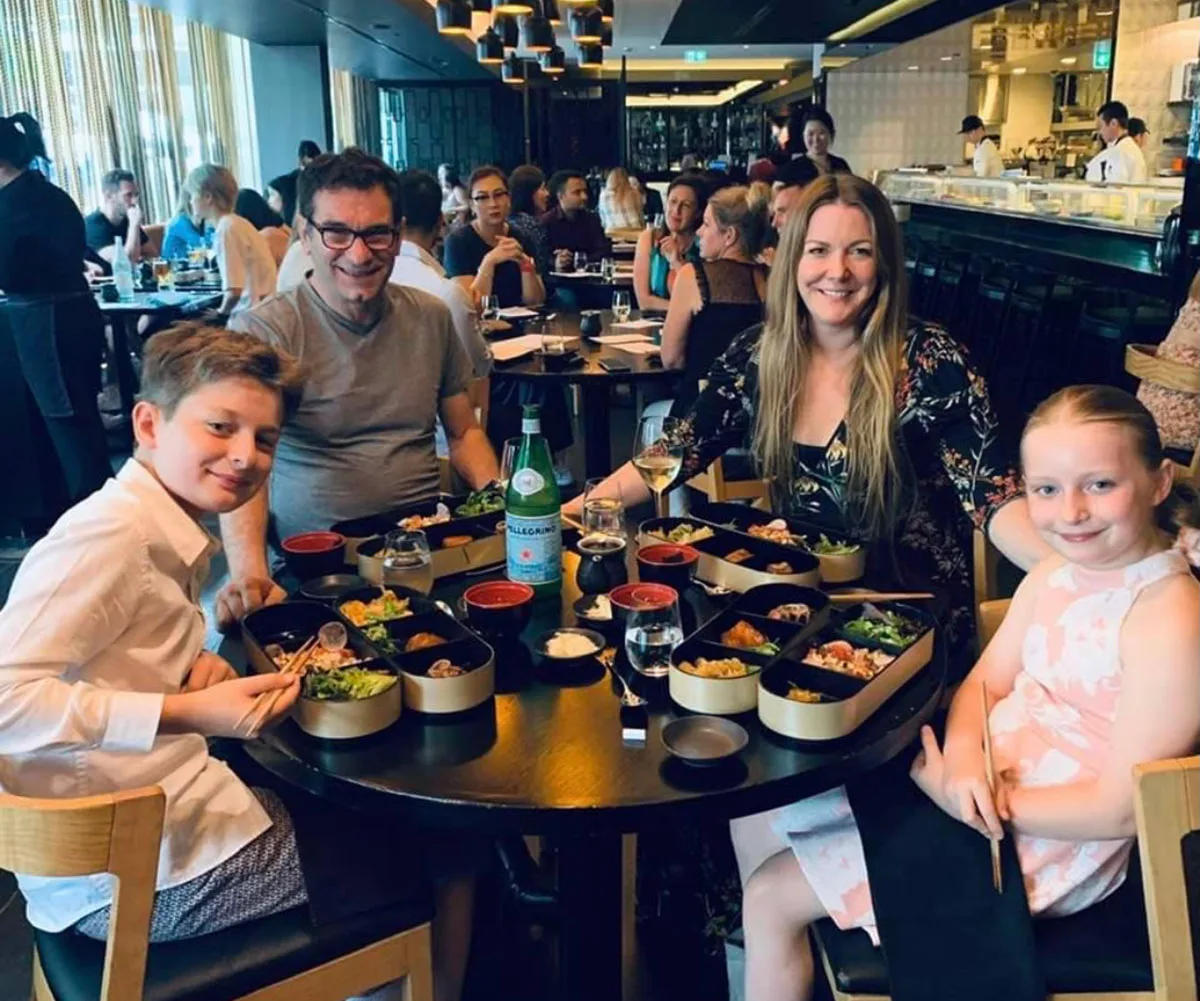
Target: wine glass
(407,561)
(508,458)
(603,515)
(553,342)
(489,307)
(621,306)
(608,268)
(657,461)
(653,630)
(580,261)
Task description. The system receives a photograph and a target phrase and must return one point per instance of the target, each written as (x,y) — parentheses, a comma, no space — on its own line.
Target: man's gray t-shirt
(362,440)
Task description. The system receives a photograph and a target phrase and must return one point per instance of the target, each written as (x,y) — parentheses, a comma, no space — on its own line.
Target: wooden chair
(713,483)
(278,958)
(985,558)
(1168,810)
(154,237)
(1142,363)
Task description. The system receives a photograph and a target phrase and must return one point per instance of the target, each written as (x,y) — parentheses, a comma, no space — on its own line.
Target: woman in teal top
(659,253)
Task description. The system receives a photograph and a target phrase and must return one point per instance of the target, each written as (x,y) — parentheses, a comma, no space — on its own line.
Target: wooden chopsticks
(997,875)
(854,597)
(266,702)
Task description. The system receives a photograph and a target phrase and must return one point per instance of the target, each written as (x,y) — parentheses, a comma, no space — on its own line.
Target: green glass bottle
(533,512)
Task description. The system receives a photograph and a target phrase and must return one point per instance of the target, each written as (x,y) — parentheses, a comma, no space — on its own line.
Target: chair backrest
(1168,808)
(989,616)
(119,833)
(1142,362)
(986,562)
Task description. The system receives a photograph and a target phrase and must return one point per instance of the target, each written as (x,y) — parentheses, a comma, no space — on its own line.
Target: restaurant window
(122,84)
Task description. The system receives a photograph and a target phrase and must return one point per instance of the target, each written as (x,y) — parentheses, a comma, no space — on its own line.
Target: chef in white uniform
(1121,161)
(987,160)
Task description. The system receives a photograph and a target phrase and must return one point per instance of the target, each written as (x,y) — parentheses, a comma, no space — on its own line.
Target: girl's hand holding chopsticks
(230,708)
(957,784)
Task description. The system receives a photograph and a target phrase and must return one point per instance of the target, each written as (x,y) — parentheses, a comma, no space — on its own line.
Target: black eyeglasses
(343,237)
(489,196)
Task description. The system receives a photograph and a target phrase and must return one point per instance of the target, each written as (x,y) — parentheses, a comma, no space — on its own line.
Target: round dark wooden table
(548,756)
(591,291)
(593,380)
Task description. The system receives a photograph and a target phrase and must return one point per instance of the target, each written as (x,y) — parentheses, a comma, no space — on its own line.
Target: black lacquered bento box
(800,698)
(462,543)
(836,568)
(380,645)
(749,614)
(764,562)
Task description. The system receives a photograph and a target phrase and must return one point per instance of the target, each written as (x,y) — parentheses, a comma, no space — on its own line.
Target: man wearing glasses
(382,363)
(488,257)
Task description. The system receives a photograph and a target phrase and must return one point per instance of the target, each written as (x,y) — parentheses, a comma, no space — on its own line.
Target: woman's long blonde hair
(874,488)
(623,193)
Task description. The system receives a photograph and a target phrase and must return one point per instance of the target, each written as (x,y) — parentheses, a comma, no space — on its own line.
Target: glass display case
(1133,208)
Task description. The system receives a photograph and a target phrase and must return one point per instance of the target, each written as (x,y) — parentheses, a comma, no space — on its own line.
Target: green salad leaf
(485,500)
(378,635)
(828,547)
(884,627)
(347,684)
(770,649)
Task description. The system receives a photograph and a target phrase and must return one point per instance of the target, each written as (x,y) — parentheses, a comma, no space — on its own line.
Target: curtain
(355,112)
(214,97)
(163,148)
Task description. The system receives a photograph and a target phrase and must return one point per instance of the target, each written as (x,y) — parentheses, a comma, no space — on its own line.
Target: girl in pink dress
(1095,669)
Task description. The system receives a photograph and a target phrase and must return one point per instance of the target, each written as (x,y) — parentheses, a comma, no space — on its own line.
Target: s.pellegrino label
(533,512)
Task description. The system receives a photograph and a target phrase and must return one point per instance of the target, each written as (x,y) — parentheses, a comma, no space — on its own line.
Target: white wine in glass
(656,460)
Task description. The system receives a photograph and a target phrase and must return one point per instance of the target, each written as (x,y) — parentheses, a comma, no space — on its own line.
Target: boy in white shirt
(104,682)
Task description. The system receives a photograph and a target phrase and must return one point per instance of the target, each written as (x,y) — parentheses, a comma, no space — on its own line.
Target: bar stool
(1104,330)
(953,284)
(989,313)
(921,292)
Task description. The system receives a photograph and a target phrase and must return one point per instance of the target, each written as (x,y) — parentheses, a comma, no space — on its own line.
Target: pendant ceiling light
(506,28)
(587,27)
(512,6)
(453,17)
(606,11)
(513,70)
(489,49)
(554,62)
(550,9)
(606,35)
(537,34)
(591,56)
(481,6)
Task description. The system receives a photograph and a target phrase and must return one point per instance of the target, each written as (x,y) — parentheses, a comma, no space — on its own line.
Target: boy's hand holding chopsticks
(235,708)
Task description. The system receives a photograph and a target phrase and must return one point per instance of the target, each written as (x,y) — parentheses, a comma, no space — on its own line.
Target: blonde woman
(620,202)
(722,294)
(872,428)
(244,257)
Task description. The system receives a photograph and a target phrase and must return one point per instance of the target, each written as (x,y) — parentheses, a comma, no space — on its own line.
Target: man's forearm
(244,535)
(473,459)
(133,243)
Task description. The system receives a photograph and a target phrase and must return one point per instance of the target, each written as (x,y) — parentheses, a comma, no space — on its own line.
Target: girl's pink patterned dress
(1055,727)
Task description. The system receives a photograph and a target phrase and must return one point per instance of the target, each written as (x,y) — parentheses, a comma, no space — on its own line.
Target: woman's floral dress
(962,471)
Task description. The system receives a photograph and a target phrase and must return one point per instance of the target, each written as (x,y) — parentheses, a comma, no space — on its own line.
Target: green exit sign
(1102,54)
(694,55)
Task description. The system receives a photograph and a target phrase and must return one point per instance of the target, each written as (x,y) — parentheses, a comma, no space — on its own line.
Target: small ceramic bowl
(332,587)
(498,607)
(574,660)
(666,563)
(630,597)
(314,554)
(704,740)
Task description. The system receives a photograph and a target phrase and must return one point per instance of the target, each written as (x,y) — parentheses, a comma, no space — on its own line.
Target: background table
(592,291)
(594,383)
(547,756)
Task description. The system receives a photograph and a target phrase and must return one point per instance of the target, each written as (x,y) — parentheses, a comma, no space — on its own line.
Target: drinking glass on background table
(407,561)
(489,307)
(657,462)
(164,275)
(580,261)
(508,456)
(652,631)
(602,515)
(621,305)
(608,268)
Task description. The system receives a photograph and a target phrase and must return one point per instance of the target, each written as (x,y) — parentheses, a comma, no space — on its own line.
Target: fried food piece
(420,641)
(739,556)
(743,634)
(443,668)
(795,611)
(454,541)
(781,568)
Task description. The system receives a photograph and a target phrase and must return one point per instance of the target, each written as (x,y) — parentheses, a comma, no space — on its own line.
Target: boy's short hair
(180,360)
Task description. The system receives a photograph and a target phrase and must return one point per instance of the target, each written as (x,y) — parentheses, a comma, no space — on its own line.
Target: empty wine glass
(653,630)
(508,457)
(489,307)
(657,461)
(621,306)
(407,561)
(603,515)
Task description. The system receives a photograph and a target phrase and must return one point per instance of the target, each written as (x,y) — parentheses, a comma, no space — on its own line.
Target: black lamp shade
(587,27)
(550,9)
(537,34)
(481,6)
(513,70)
(506,27)
(591,55)
(606,35)
(512,6)
(606,11)
(489,49)
(453,17)
(554,62)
